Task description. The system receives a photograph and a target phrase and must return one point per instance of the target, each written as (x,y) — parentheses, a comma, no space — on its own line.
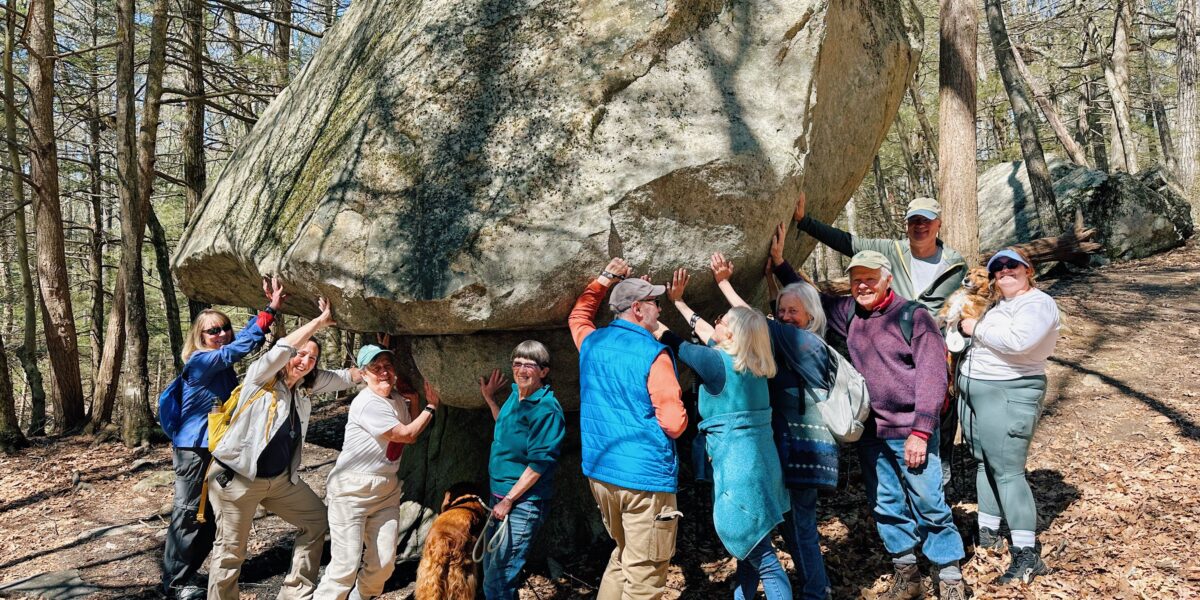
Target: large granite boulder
(1134,215)
(451,167)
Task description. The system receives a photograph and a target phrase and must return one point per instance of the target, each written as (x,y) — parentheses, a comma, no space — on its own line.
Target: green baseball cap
(924,207)
(368,354)
(871,260)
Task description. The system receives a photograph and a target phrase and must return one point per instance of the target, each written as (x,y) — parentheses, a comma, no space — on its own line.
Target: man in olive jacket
(926,270)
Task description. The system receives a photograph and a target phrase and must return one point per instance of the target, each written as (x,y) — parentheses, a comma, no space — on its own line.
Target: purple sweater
(907,384)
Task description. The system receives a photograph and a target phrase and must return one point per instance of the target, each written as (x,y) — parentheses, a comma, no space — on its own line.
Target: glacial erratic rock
(1134,215)
(448,167)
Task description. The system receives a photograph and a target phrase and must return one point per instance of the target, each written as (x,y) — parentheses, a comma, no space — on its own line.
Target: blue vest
(623,444)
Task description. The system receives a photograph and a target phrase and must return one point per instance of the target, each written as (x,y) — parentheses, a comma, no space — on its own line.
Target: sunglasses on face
(1001,265)
(218,330)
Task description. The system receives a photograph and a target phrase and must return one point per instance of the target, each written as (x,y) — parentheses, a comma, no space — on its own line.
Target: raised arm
(407,433)
(833,237)
(679,283)
(581,322)
(722,270)
(488,387)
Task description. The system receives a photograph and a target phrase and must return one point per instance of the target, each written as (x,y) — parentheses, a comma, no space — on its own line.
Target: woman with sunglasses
(257,462)
(749,499)
(209,354)
(525,445)
(1003,382)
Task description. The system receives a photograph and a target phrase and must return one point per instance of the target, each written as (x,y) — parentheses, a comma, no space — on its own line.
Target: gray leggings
(998,421)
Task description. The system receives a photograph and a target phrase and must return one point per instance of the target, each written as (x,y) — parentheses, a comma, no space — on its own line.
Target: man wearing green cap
(925,269)
(363,491)
(898,452)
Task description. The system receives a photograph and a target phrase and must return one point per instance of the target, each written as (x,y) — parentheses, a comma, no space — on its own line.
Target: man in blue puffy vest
(630,412)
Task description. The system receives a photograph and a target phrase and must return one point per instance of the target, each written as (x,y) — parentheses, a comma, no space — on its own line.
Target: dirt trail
(1114,470)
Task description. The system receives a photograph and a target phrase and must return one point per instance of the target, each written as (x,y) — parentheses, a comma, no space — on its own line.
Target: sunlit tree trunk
(57,314)
(957,171)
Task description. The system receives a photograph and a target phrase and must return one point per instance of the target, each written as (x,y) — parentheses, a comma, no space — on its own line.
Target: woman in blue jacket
(733,365)
(209,354)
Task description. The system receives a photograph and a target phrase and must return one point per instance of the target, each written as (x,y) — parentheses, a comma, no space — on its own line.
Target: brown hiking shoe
(906,584)
(952,590)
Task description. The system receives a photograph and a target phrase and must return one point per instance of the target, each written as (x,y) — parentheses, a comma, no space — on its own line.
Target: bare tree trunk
(195,170)
(96,247)
(282,47)
(104,393)
(914,94)
(1158,115)
(904,137)
(162,260)
(27,353)
(958,172)
(1095,126)
(330,12)
(1187,121)
(11,438)
(57,314)
(1018,99)
(1074,150)
(1122,152)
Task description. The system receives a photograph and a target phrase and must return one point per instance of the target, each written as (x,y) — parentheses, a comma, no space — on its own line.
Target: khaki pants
(643,524)
(364,508)
(235,505)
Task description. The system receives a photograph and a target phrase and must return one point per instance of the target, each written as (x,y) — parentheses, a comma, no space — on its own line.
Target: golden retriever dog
(447,571)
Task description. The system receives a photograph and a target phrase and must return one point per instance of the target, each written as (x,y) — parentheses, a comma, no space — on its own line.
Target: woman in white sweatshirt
(1003,383)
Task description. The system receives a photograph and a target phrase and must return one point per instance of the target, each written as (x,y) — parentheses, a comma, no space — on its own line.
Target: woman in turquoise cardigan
(749,498)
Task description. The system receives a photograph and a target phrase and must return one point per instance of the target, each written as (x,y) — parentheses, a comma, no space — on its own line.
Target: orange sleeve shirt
(665,393)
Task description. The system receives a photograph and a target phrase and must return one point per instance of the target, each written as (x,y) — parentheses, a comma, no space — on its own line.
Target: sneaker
(952,590)
(906,584)
(989,539)
(191,592)
(1026,564)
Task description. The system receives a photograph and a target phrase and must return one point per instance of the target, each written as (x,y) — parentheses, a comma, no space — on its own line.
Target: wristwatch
(610,275)
(695,318)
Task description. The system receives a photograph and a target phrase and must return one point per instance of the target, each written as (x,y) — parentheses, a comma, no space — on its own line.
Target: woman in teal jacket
(733,366)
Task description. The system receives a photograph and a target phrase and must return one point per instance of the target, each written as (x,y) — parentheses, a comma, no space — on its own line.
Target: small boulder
(155,479)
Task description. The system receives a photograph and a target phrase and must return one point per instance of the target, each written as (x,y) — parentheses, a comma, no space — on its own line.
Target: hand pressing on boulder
(616,270)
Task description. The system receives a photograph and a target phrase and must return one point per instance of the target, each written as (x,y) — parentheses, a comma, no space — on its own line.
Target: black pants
(188,542)
(948,428)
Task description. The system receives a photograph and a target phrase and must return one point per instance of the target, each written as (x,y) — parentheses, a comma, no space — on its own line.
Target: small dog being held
(447,571)
(968,302)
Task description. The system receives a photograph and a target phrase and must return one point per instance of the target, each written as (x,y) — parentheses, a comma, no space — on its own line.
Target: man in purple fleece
(899,449)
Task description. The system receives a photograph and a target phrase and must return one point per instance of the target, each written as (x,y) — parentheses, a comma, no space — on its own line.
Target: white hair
(811,300)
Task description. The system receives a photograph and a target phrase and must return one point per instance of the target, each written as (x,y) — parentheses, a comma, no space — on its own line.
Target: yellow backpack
(219,422)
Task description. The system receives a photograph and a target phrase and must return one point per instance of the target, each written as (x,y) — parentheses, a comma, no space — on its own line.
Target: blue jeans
(804,543)
(909,505)
(502,566)
(762,563)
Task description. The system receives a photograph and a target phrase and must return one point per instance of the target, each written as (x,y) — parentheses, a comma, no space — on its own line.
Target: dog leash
(484,545)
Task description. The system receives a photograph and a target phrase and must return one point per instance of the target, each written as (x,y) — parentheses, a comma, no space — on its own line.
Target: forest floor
(1114,468)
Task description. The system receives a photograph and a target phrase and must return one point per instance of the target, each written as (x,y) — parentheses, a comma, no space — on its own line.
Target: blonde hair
(749,342)
(195,337)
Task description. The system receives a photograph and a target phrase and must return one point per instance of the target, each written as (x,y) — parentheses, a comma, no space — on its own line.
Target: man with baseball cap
(363,490)
(630,413)
(925,269)
(898,451)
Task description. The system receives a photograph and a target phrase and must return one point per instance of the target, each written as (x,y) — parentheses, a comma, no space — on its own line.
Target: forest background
(116,114)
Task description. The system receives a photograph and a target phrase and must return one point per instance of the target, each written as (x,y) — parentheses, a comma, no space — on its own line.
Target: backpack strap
(907,315)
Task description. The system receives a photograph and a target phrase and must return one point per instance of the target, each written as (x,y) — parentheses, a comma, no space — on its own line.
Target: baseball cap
(368,353)
(925,207)
(1006,253)
(871,260)
(632,290)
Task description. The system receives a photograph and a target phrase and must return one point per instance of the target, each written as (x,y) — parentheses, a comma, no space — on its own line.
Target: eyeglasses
(525,366)
(1001,265)
(381,368)
(652,300)
(717,321)
(218,330)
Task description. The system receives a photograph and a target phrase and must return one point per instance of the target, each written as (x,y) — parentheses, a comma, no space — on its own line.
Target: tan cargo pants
(235,505)
(643,524)
(364,508)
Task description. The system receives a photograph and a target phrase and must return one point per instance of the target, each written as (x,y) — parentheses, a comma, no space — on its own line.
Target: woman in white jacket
(1003,382)
(258,459)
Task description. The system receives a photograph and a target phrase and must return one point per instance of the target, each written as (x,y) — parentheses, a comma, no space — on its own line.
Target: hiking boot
(191,592)
(1026,564)
(989,539)
(952,590)
(906,584)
